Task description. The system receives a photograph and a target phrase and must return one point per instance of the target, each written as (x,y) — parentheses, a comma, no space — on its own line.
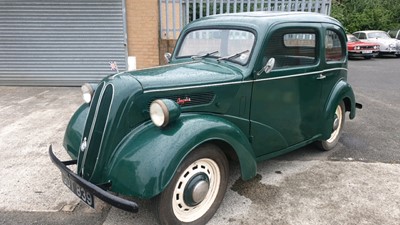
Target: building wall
(142,21)
(166,46)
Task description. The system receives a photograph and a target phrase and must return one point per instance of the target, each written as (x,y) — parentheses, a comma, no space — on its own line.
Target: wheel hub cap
(335,123)
(196,189)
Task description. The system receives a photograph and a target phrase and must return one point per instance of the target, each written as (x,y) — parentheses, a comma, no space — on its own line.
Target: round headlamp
(164,111)
(357,47)
(87,92)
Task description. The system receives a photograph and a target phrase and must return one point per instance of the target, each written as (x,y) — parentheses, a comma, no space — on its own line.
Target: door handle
(320,77)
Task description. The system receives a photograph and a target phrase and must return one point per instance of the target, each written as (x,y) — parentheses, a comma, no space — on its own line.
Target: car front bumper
(359,53)
(390,51)
(95,190)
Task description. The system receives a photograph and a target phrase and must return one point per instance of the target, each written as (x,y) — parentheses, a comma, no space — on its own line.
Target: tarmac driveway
(31,120)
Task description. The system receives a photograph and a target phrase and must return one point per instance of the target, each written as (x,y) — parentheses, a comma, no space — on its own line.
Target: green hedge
(367,14)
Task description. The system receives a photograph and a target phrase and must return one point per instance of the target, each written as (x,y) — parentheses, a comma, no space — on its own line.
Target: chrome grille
(94,129)
(367,47)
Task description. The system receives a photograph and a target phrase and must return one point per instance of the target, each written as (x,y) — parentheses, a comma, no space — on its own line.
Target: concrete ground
(356,183)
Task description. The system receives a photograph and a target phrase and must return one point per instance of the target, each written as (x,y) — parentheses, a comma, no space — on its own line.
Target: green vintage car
(245,87)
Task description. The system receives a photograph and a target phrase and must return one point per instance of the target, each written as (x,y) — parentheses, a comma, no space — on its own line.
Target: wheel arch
(347,104)
(162,150)
(342,91)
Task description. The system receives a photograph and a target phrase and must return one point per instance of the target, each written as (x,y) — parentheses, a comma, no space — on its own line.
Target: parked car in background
(394,34)
(357,48)
(387,45)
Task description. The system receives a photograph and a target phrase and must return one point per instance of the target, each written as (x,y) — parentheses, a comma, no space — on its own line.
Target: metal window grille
(175,14)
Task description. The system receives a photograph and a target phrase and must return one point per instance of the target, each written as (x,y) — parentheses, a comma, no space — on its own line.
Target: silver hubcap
(193,197)
(200,191)
(337,124)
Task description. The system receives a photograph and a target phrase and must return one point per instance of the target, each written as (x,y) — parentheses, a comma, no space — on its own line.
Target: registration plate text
(79,191)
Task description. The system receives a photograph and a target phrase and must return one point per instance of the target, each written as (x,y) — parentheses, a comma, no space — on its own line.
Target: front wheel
(337,127)
(197,189)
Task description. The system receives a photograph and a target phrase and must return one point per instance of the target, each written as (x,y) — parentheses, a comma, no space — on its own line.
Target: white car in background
(387,44)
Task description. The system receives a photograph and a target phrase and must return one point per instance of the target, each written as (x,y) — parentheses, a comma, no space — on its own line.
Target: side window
(362,36)
(392,33)
(333,47)
(292,48)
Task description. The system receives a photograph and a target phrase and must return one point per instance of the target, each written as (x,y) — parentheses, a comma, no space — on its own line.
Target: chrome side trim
(195,86)
(242,82)
(301,74)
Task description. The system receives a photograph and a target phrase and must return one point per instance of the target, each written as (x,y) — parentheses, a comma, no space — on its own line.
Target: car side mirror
(167,57)
(268,66)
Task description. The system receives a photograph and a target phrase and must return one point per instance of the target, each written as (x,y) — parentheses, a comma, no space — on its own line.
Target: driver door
(286,106)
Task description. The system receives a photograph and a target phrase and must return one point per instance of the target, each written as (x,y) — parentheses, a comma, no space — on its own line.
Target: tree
(367,14)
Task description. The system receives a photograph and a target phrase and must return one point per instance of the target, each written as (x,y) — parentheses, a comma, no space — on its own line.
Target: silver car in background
(387,44)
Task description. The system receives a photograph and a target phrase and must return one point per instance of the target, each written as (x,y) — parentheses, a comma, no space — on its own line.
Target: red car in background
(356,48)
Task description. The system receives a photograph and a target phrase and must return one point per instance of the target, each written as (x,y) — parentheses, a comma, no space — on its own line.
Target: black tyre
(197,189)
(398,55)
(338,123)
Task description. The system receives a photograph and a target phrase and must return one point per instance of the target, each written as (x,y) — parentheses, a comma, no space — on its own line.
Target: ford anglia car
(245,87)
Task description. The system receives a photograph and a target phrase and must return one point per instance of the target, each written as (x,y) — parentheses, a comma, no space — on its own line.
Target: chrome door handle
(320,77)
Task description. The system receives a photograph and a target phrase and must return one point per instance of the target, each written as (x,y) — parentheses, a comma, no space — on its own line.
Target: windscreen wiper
(233,56)
(203,55)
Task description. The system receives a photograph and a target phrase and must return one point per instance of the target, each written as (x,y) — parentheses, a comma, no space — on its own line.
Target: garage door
(60,42)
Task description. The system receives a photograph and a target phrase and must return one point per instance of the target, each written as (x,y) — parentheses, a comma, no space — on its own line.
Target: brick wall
(166,46)
(143,32)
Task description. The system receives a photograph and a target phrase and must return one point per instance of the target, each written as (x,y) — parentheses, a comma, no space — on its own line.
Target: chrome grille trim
(105,127)
(94,152)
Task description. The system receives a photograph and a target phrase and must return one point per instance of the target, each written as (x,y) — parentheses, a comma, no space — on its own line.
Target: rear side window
(334,50)
(293,48)
(392,33)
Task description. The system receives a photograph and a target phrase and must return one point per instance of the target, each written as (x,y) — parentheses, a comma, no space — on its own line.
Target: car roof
(262,20)
(370,31)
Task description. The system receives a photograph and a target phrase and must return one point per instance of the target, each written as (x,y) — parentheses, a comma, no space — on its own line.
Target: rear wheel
(196,190)
(338,123)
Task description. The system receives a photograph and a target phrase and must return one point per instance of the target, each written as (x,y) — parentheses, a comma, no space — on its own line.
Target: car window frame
(343,45)
(291,27)
(240,28)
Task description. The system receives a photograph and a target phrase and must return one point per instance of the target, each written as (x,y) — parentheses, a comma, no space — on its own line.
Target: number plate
(367,51)
(79,191)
